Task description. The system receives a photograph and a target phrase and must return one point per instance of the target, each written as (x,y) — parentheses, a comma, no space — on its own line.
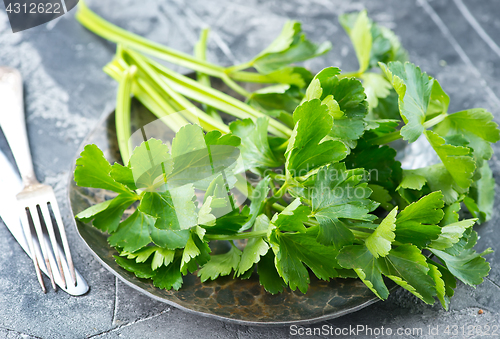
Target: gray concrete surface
(66,93)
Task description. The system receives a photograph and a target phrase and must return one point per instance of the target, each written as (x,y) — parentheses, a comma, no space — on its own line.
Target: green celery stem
(122,113)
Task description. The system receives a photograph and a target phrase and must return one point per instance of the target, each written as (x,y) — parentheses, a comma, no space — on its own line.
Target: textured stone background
(66,92)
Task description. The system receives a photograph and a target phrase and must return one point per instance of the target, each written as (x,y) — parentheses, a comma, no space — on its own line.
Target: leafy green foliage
(414,90)
(456,159)
(289,47)
(133,233)
(345,99)
(476,126)
(255,248)
(220,265)
(107,215)
(339,194)
(268,274)
(481,197)
(254,148)
(418,222)
(331,198)
(93,170)
(293,250)
(373,43)
(468,266)
(358,27)
(277,101)
(379,242)
(306,150)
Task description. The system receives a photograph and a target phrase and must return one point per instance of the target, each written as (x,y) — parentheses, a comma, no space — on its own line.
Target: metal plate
(233,300)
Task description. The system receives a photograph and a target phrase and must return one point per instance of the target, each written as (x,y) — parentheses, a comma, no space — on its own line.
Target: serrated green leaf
(385,45)
(165,277)
(170,229)
(93,170)
(379,242)
(289,47)
(141,270)
(379,161)
(306,150)
(381,196)
(412,181)
(322,84)
(439,100)
(468,266)
(436,275)
(339,194)
(258,198)
(456,159)
(276,98)
(376,87)
(451,234)
(414,90)
(450,214)
(161,206)
(388,107)
(162,257)
(141,255)
(333,232)
(229,223)
(450,283)
(220,265)
(294,250)
(214,138)
(439,179)
(107,215)
(255,248)
(149,162)
(292,218)
(468,240)
(350,95)
(417,223)
(134,232)
(361,37)
(268,275)
(481,197)
(255,149)
(346,103)
(198,159)
(407,267)
(123,175)
(191,251)
(168,277)
(335,186)
(477,126)
(293,75)
(365,265)
(89,213)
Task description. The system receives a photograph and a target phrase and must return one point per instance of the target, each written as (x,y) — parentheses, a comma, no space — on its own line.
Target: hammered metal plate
(233,300)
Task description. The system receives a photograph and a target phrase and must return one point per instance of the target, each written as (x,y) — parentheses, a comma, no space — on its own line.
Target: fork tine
(29,239)
(62,232)
(41,240)
(50,228)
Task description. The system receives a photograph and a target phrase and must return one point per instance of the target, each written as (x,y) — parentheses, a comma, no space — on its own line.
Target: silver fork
(34,200)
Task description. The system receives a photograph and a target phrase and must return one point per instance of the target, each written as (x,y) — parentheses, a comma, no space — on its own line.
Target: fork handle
(13,123)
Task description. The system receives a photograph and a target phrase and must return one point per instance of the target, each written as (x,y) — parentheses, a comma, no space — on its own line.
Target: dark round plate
(234,300)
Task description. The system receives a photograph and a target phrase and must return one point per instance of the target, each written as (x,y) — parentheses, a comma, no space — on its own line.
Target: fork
(34,200)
